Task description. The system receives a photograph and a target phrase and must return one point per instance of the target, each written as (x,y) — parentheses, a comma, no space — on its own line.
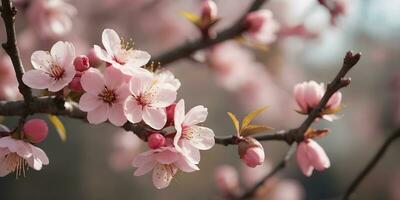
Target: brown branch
(281,165)
(189,48)
(297,134)
(378,156)
(8,12)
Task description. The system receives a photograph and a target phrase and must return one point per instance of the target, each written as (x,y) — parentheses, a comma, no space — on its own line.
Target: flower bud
(261,27)
(75,84)
(209,12)
(36,130)
(251,152)
(155,141)
(170,114)
(227,180)
(310,155)
(81,63)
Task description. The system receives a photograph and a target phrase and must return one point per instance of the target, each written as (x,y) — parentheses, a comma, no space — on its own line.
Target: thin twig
(189,48)
(371,164)
(281,165)
(8,13)
(297,134)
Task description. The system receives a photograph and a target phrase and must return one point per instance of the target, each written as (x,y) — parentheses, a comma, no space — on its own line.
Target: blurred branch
(8,12)
(378,156)
(297,134)
(281,165)
(189,48)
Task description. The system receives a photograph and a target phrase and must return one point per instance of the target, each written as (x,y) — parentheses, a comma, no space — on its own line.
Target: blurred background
(94,162)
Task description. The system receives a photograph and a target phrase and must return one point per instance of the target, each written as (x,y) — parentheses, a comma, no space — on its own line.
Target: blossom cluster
(124,90)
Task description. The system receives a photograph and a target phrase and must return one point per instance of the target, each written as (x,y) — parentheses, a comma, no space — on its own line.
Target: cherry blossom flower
(51,18)
(104,96)
(251,152)
(227,180)
(52,70)
(262,27)
(309,94)
(120,54)
(148,100)
(167,77)
(189,136)
(165,163)
(16,154)
(311,156)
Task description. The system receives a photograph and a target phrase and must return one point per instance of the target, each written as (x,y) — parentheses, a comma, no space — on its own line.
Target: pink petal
(145,168)
(299,96)
(41,60)
(58,85)
(111,41)
(191,152)
(99,115)
(185,165)
(116,115)
(196,115)
(89,102)
(312,94)
(36,79)
(40,154)
(123,93)
(4,168)
(162,176)
(142,158)
(113,78)
(154,117)
(179,114)
(317,156)
(166,95)
(92,81)
(137,58)
(63,52)
(132,110)
(140,83)
(166,157)
(101,54)
(302,159)
(203,137)
(335,100)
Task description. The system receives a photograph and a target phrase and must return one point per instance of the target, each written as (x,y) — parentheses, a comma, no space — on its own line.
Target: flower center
(108,96)
(187,133)
(14,163)
(57,72)
(144,99)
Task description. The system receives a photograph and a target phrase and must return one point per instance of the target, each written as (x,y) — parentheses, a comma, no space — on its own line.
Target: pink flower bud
(251,152)
(36,130)
(75,84)
(94,60)
(81,63)
(310,155)
(155,141)
(309,94)
(261,26)
(209,12)
(170,114)
(227,180)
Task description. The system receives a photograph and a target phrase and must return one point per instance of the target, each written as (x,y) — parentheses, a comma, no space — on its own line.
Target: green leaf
(191,17)
(235,121)
(59,127)
(247,120)
(254,129)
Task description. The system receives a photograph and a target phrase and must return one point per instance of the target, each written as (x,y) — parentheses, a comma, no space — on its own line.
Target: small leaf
(331,111)
(59,127)
(247,120)
(191,17)
(235,121)
(254,129)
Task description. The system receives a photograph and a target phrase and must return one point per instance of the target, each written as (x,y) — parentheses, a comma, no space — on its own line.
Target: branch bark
(189,48)
(8,13)
(371,164)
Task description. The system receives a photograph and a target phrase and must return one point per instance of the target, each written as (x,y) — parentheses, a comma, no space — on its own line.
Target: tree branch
(378,156)
(297,134)
(281,165)
(189,48)
(8,13)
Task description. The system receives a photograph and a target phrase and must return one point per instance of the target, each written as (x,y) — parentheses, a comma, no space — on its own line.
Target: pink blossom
(120,54)
(125,147)
(51,18)
(167,77)
(209,12)
(36,130)
(148,100)
(52,70)
(251,152)
(165,163)
(227,179)
(104,96)
(155,140)
(311,156)
(262,27)
(189,136)
(14,154)
(309,94)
